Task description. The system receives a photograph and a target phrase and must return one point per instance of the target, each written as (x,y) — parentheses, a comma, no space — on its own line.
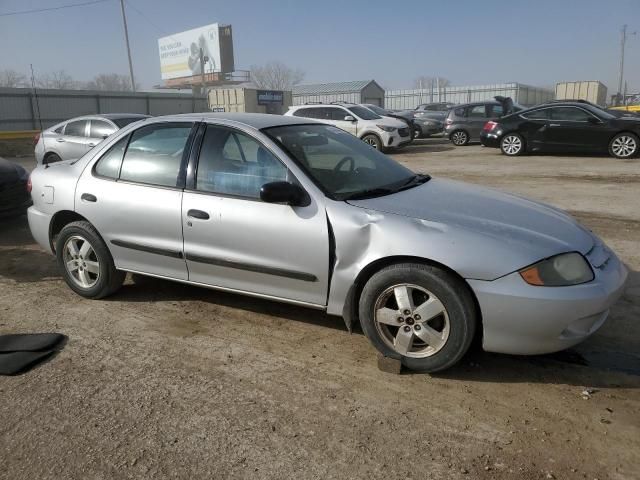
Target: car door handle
(60,140)
(199,214)
(87,197)
(554,125)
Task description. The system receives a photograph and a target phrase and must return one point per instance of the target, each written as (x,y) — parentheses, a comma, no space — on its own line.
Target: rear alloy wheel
(624,145)
(86,263)
(512,145)
(372,141)
(459,138)
(420,314)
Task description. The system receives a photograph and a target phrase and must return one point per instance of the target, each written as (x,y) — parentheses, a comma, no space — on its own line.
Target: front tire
(86,263)
(459,138)
(624,145)
(512,145)
(422,315)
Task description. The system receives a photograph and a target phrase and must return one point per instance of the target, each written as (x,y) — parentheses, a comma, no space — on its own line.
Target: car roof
(116,116)
(255,120)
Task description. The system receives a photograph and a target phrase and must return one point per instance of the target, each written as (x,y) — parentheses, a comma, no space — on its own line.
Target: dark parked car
(404,116)
(15,196)
(465,122)
(564,127)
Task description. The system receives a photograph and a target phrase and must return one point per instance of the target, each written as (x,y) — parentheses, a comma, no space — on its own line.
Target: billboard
(180,53)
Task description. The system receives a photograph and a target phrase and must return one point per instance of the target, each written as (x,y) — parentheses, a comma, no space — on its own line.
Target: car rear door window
(232,163)
(76,128)
(109,164)
(154,154)
(305,112)
(496,111)
(572,114)
(477,111)
(100,129)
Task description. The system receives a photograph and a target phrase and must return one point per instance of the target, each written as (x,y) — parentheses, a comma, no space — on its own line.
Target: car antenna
(35,94)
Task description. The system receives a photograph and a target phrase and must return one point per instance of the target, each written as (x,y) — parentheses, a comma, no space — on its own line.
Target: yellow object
(17,134)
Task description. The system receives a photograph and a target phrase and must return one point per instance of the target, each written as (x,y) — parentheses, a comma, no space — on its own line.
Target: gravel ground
(168,381)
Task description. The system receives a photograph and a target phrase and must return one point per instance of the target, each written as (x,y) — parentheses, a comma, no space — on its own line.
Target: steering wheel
(345,160)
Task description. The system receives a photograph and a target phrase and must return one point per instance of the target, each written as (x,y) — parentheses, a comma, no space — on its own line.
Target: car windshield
(123,122)
(363,113)
(342,165)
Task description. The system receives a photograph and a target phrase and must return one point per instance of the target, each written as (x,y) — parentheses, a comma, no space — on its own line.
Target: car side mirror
(284,192)
(349,118)
(593,120)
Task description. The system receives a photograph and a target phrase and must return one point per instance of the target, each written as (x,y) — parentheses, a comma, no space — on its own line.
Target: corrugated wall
(19,106)
(523,94)
(352,97)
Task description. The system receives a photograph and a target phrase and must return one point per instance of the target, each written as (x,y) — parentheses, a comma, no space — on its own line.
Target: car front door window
(232,163)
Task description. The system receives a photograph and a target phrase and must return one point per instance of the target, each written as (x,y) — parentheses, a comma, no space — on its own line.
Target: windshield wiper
(414,181)
(369,193)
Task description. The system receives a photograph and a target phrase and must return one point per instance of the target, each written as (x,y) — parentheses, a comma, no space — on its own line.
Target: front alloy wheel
(624,145)
(512,145)
(412,320)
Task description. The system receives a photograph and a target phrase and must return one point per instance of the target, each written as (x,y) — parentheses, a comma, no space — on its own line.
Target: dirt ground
(168,381)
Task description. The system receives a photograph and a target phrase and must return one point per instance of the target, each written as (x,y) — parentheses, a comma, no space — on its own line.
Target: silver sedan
(291,210)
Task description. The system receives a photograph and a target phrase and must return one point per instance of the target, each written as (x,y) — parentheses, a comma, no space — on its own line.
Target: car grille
(599,254)
(404,132)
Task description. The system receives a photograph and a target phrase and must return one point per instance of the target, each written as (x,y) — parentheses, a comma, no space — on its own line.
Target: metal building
(249,100)
(360,91)
(523,94)
(591,90)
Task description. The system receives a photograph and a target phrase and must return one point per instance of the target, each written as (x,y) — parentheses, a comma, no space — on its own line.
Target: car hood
(391,122)
(538,229)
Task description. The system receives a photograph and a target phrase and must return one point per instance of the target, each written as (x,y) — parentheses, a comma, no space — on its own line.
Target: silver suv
(75,137)
(381,133)
(464,122)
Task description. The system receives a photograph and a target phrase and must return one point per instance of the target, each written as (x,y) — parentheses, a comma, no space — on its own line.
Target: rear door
(234,240)
(133,196)
(73,143)
(534,128)
(477,116)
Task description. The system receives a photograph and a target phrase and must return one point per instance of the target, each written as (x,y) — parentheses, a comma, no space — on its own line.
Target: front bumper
(522,319)
(489,139)
(394,139)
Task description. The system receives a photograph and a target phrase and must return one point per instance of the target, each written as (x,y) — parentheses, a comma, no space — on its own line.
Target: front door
(571,128)
(338,115)
(74,143)
(133,197)
(234,240)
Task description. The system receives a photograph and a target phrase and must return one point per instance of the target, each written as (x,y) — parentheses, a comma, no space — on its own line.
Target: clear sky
(536,42)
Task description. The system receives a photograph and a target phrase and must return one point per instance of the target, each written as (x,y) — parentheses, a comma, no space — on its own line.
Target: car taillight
(29,186)
(489,126)
(36,139)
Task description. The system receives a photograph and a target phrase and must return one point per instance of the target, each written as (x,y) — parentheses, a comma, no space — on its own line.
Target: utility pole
(126,39)
(623,41)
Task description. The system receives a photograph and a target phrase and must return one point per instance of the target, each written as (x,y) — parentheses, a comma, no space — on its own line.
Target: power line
(133,7)
(38,10)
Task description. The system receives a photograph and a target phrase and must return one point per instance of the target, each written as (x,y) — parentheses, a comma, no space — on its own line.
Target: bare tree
(276,76)
(429,83)
(12,79)
(58,80)
(113,82)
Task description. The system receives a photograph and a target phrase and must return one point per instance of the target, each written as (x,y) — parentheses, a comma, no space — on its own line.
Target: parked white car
(379,132)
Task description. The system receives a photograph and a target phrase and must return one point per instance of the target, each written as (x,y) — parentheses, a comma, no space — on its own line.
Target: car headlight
(559,271)
(386,129)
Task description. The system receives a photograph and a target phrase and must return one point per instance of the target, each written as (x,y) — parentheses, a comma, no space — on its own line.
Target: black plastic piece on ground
(30,342)
(19,362)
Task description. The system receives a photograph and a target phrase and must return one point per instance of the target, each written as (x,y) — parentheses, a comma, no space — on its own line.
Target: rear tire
(459,138)
(624,145)
(52,158)
(86,263)
(373,141)
(429,332)
(512,145)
